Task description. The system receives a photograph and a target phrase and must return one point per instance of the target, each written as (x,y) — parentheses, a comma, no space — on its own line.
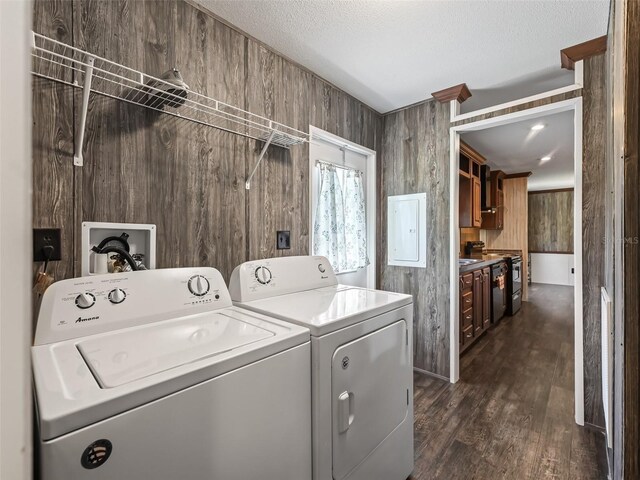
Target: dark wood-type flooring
(511,414)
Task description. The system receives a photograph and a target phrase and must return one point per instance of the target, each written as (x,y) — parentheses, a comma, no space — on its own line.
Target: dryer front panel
(371,382)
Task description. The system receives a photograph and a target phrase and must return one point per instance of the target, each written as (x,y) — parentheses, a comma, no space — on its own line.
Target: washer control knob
(263,275)
(321,268)
(85,300)
(198,285)
(117,295)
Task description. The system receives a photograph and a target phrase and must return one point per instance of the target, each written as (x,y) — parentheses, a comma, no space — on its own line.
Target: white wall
(552,268)
(15,240)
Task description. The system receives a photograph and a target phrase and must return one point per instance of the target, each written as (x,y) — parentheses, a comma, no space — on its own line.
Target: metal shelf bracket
(247,184)
(78,160)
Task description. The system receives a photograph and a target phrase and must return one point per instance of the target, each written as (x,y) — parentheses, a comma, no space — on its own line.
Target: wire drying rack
(63,63)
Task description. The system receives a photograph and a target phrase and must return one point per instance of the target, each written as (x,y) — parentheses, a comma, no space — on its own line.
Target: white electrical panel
(142,240)
(407,230)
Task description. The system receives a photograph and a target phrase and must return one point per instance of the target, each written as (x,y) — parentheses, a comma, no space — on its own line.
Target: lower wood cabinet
(475,305)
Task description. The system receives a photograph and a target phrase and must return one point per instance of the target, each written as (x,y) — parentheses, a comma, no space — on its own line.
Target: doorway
(351,170)
(572,105)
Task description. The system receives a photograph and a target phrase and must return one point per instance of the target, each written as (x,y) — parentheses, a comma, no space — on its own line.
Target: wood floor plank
(511,414)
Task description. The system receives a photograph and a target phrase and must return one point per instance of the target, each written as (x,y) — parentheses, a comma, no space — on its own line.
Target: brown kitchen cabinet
(475,305)
(470,195)
(493,217)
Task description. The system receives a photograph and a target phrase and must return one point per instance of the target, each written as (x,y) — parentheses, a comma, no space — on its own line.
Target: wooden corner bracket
(570,55)
(459,92)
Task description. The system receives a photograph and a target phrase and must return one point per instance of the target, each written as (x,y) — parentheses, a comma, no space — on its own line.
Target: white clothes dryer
(361,363)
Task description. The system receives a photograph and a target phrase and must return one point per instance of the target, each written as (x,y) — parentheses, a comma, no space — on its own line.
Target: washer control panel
(100,303)
(279,276)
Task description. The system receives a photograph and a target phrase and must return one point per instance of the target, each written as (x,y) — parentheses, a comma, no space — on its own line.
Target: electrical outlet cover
(43,237)
(283,240)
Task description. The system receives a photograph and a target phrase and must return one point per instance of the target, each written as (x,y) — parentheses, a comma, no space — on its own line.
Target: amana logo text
(80,319)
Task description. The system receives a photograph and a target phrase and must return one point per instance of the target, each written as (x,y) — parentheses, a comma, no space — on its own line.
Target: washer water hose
(118,245)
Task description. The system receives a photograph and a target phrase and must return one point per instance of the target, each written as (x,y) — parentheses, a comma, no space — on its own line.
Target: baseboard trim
(595,428)
(430,374)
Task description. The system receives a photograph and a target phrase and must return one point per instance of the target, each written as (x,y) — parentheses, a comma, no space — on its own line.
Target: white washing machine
(155,375)
(361,363)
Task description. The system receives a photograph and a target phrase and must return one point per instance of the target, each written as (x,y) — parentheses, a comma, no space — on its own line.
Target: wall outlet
(283,240)
(47,238)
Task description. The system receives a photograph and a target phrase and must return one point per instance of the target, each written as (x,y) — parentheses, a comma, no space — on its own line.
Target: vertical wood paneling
(278,199)
(514,236)
(551,222)
(630,461)
(52,137)
(188,179)
(593,231)
(415,159)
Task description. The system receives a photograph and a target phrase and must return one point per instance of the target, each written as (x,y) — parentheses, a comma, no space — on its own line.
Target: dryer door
(371,377)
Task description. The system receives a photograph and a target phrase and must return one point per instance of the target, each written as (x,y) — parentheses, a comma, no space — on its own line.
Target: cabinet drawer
(466,280)
(467,335)
(467,301)
(466,318)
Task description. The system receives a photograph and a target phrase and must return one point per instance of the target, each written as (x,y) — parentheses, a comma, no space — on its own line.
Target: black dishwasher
(499,291)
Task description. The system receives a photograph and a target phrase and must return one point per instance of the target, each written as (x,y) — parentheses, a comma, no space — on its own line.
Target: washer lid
(122,357)
(324,310)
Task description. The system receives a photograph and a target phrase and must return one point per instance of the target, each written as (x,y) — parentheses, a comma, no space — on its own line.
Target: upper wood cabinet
(494,218)
(476,203)
(470,197)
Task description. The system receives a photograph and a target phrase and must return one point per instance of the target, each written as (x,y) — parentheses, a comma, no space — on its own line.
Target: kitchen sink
(467,261)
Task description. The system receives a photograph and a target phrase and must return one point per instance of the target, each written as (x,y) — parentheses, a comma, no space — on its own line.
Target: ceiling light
(545,159)
(539,126)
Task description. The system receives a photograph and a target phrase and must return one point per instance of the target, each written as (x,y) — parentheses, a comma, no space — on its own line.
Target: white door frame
(319,134)
(574,104)
(16,251)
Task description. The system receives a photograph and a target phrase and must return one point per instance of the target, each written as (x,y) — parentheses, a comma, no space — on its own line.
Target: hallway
(511,414)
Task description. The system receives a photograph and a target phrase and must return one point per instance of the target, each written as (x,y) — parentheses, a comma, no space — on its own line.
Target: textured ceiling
(392,53)
(516,148)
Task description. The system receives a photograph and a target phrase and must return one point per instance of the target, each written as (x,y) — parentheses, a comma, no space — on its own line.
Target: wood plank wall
(551,221)
(514,236)
(186,178)
(628,462)
(593,231)
(415,153)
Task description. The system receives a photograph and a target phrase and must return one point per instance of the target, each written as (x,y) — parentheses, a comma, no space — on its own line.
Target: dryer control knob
(263,275)
(198,285)
(85,300)
(117,295)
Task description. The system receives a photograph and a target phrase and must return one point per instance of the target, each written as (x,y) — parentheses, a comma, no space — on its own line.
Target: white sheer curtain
(355,221)
(340,230)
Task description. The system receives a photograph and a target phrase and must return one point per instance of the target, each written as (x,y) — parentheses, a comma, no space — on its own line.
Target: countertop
(485,261)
